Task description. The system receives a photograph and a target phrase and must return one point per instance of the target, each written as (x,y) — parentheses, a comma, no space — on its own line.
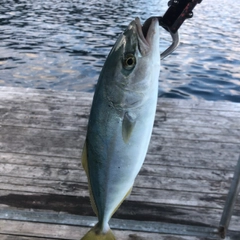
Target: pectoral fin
(128,123)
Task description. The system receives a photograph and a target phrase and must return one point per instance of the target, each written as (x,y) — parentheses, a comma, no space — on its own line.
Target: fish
(121,121)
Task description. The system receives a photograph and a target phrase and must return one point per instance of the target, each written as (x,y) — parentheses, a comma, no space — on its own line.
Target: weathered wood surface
(185,178)
(14,230)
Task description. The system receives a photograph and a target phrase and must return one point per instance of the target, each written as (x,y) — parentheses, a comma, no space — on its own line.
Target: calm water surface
(62,45)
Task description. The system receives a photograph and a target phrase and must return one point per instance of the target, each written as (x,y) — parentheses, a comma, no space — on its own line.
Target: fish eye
(129,61)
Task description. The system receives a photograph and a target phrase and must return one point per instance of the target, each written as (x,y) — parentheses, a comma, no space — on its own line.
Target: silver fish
(121,121)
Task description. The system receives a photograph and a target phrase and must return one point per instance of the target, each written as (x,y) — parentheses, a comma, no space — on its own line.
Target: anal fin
(127,194)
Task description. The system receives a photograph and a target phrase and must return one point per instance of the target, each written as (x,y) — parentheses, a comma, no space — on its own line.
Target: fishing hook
(177,13)
(174,35)
(173,46)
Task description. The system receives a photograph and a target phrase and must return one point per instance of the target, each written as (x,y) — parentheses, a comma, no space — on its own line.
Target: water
(62,45)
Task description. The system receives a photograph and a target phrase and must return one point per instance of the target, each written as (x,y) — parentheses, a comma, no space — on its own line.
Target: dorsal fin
(85,167)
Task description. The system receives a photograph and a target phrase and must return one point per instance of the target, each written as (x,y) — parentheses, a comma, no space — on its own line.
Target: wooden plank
(15,237)
(43,95)
(31,183)
(43,150)
(187,215)
(151,173)
(45,147)
(194,158)
(175,103)
(167,157)
(166,194)
(139,194)
(158,141)
(187,135)
(43,105)
(64,172)
(123,224)
(78,122)
(54,231)
(39,160)
(146,227)
(49,145)
(75,120)
(204,121)
(131,236)
(166,104)
(41,108)
(183,198)
(47,92)
(179,131)
(199,104)
(172,111)
(75,116)
(58,129)
(36,139)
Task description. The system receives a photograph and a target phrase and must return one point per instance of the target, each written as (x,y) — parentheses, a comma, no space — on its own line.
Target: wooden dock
(182,185)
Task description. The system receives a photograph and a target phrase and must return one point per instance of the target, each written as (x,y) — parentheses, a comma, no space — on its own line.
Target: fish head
(132,65)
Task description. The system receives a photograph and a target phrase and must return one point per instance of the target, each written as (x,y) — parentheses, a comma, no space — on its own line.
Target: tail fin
(96,234)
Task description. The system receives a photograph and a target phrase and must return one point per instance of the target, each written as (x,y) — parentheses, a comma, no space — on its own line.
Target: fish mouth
(145,33)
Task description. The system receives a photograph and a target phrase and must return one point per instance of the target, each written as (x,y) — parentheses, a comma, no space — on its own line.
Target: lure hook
(176,14)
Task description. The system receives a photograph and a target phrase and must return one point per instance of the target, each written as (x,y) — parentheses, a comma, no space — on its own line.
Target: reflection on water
(62,45)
